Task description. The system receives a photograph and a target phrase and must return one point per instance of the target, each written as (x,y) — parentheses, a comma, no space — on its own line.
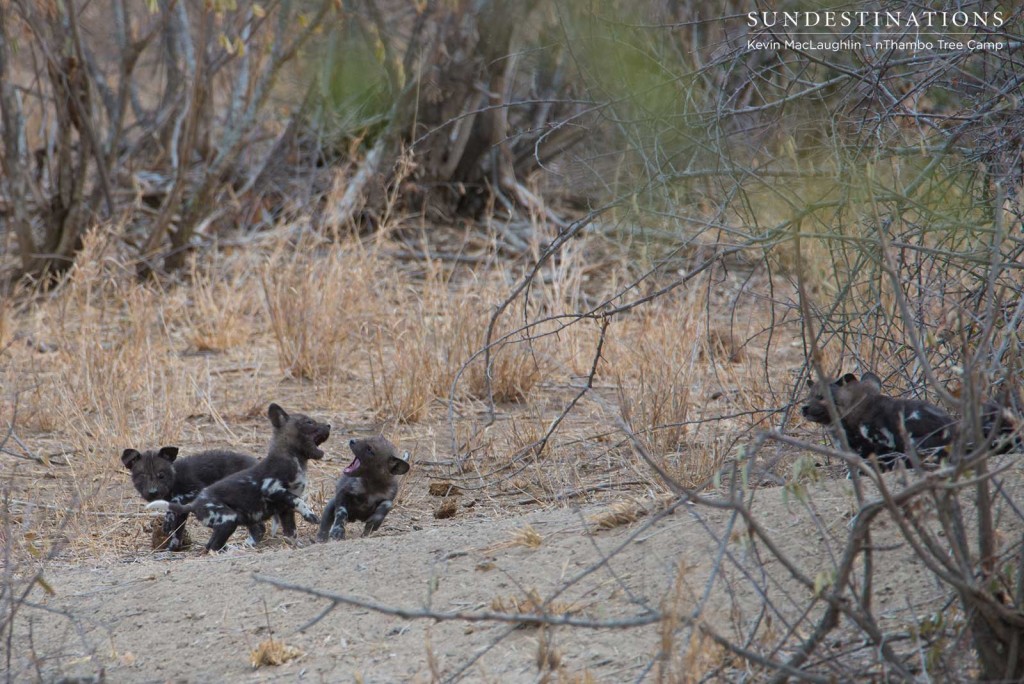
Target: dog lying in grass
(366,489)
(158,474)
(881,426)
(273,486)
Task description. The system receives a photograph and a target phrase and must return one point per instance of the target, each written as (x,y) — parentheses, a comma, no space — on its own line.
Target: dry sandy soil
(186,617)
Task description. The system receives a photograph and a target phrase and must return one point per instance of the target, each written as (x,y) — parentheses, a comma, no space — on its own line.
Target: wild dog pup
(367,488)
(274,485)
(876,424)
(157,474)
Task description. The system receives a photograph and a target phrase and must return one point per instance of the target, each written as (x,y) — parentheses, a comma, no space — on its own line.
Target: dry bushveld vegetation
(679,393)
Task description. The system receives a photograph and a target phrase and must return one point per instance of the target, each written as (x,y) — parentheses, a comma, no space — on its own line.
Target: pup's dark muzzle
(322,434)
(815,415)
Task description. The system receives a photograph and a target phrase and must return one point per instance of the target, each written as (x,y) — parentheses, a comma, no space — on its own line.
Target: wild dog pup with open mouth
(158,474)
(274,485)
(367,488)
(876,424)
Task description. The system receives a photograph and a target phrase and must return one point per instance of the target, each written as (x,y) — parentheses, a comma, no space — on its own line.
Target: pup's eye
(159,476)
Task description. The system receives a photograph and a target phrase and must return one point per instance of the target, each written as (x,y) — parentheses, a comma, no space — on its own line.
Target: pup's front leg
(374,522)
(256,533)
(306,512)
(338,523)
(289,501)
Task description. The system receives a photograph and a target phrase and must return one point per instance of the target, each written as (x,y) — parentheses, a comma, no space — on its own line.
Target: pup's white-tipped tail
(158,506)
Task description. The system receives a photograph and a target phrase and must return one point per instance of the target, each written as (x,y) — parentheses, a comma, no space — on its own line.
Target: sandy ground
(189,617)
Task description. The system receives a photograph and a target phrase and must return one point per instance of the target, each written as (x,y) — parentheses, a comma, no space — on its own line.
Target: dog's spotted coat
(274,486)
(881,426)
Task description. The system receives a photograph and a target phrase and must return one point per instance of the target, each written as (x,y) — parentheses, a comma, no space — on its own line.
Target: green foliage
(355,97)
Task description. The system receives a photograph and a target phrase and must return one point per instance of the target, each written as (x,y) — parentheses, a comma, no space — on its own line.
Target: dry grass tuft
(703,657)
(111,380)
(443,489)
(722,346)
(514,374)
(401,390)
(316,304)
(448,508)
(440,350)
(654,397)
(619,513)
(217,314)
(549,656)
(532,604)
(273,652)
(661,369)
(527,536)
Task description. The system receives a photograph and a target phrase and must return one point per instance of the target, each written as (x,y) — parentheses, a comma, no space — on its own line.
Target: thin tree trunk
(14,154)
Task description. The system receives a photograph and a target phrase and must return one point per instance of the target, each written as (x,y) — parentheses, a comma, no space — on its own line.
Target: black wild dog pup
(157,474)
(876,424)
(367,488)
(274,486)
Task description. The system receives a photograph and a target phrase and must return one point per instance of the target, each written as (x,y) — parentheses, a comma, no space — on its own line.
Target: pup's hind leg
(287,516)
(374,523)
(221,533)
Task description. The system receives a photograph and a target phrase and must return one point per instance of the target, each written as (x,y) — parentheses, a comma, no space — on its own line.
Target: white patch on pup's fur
(271,485)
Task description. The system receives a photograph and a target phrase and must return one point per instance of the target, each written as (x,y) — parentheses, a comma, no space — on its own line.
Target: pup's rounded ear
(872,380)
(846,379)
(168,453)
(129,457)
(399,465)
(278,416)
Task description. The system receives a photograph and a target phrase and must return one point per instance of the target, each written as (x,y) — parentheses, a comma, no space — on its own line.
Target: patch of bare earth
(184,617)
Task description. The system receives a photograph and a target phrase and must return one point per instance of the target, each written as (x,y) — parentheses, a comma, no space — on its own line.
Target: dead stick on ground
(463,616)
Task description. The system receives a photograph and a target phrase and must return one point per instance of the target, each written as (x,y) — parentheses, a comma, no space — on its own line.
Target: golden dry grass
(447,508)
(272,652)
(315,304)
(527,536)
(532,604)
(619,513)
